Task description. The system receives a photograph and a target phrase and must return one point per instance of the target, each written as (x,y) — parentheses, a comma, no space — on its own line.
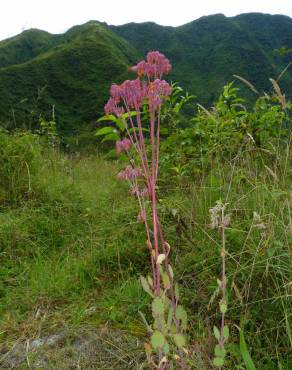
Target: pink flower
(161,63)
(145,193)
(123,145)
(156,65)
(111,107)
(133,93)
(129,173)
(135,191)
(157,91)
(115,92)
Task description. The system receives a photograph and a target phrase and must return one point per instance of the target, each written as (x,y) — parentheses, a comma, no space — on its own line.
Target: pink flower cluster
(144,193)
(132,93)
(112,107)
(129,173)
(155,65)
(123,145)
(157,90)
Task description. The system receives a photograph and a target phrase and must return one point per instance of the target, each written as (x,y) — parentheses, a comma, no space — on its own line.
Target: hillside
(73,71)
(73,74)
(207,52)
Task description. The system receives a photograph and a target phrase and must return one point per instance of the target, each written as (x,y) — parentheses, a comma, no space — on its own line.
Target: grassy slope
(54,78)
(71,255)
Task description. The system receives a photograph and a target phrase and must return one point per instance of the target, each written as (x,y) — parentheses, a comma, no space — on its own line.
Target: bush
(19,162)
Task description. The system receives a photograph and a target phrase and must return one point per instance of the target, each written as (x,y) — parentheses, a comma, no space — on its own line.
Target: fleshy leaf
(157,339)
(220,351)
(226,332)
(166,348)
(176,292)
(181,314)
(179,340)
(223,307)
(170,271)
(157,307)
(166,280)
(216,332)
(170,317)
(146,286)
(218,361)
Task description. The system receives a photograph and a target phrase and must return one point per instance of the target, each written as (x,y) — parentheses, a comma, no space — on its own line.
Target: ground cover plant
(73,251)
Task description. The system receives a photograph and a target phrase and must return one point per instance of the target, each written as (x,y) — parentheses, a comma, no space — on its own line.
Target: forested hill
(207,52)
(73,71)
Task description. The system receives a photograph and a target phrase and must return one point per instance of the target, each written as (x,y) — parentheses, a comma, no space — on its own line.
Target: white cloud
(58,15)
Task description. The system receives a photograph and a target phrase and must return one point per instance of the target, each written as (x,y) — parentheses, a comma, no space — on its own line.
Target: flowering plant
(125,108)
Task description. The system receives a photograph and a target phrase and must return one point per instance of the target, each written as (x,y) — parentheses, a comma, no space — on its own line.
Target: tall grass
(71,250)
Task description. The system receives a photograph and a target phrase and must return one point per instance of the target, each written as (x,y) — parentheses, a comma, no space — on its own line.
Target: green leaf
(223,307)
(111,137)
(165,348)
(111,154)
(216,332)
(157,307)
(121,124)
(179,340)
(218,361)
(127,115)
(157,339)
(244,351)
(226,332)
(172,328)
(131,130)
(150,281)
(105,131)
(109,117)
(176,291)
(170,271)
(146,286)
(145,321)
(181,314)
(164,131)
(166,281)
(220,351)
(170,317)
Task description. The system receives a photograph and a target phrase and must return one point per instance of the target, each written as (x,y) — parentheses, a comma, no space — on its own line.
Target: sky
(56,16)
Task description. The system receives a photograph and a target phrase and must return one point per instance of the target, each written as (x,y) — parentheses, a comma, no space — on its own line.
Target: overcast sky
(57,16)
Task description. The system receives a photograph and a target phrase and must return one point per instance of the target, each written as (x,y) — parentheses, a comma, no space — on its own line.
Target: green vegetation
(39,70)
(72,250)
(51,78)
(207,52)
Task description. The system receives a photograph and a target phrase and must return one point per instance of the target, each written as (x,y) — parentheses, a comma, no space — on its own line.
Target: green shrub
(19,162)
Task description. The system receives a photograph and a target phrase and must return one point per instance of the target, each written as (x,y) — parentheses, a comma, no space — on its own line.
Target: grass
(72,251)
(69,255)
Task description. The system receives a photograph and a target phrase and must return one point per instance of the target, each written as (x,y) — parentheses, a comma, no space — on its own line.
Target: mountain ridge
(74,69)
